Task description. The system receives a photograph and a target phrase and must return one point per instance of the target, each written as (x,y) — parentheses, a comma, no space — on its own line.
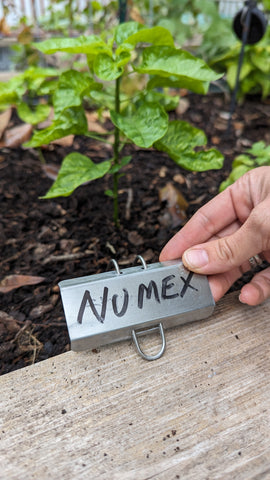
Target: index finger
(210,219)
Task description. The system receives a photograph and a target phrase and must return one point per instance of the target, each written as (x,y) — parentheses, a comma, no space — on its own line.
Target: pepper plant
(25,91)
(142,118)
(256,156)
(255,71)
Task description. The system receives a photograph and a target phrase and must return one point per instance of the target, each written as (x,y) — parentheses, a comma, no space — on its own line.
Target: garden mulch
(75,236)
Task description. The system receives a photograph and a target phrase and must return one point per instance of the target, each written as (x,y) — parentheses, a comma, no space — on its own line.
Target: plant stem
(70,15)
(116,155)
(122,10)
(40,156)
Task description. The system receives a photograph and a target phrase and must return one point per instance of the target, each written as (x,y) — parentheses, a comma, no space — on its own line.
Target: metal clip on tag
(149,330)
(135,336)
(123,304)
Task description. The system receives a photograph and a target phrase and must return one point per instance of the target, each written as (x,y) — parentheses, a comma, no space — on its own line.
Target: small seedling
(256,156)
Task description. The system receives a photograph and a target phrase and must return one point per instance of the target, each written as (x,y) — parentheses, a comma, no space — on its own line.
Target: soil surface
(75,236)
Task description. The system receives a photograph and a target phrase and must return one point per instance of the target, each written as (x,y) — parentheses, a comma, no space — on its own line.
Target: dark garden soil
(75,236)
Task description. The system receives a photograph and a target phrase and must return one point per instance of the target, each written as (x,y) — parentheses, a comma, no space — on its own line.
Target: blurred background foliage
(203,27)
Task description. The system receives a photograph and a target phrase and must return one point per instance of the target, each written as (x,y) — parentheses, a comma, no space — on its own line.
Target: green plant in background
(141,119)
(256,156)
(255,71)
(25,91)
(266,4)
(62,16)
(217,39)
(185,20)
(67,17)
(24,55)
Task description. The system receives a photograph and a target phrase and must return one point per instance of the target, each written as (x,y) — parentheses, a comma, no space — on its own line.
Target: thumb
(225,253)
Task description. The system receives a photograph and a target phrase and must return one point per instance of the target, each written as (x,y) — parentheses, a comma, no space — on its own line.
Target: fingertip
(195,258)
(250,295)
(163,256)
(169,252)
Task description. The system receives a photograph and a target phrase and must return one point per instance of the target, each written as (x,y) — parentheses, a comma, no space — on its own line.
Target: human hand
(224,234)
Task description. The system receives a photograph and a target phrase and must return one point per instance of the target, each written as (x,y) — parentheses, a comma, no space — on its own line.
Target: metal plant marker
(126,304)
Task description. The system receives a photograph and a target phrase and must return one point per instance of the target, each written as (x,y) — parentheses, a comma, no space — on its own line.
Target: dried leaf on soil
(51,170)
(135,238)
(93,125)
(179,178)
(9,323)
(183,106)
(4,120)
(176,205)
(215,140)
(64,141)
(11,282)
(15,137)
(46,123)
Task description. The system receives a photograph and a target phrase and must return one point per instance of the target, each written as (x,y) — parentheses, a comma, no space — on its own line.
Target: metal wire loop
(145,332)
(143,262)
(116,266)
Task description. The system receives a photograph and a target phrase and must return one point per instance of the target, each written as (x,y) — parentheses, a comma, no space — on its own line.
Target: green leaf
(11,91)
(155,35)
(123,58)
(243,160)
(106,68)
(261,59)
(109,193)
(180,140)
(232,54)
(123,162)
(232,72)
(40,72)
(47,87)
(179,137)
(34,77)
(234,175)
(225,184)
(169,102)
(38,114)
(263,160)
(84,44)
(76,169)
(72,86)
(176,82)
(7,95)
(266,4)
(237,172)
(188,71)
(145,126)
(200,161)
(259,148)
(106,97)
(261,152)
(125,30)
(71,121)
(262,80)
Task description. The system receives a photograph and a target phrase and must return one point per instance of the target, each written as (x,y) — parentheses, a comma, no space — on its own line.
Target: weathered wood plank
(200,412)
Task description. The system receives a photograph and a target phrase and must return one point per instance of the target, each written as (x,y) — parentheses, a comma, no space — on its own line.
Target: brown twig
(129,203)
(67,257)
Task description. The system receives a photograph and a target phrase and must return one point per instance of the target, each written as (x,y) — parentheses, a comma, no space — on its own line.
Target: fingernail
(195,258)
(242,298)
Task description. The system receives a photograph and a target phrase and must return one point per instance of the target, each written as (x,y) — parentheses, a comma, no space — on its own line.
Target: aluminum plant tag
(105,308)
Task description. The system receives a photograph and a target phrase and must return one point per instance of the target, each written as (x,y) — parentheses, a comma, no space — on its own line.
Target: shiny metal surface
(105,308)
